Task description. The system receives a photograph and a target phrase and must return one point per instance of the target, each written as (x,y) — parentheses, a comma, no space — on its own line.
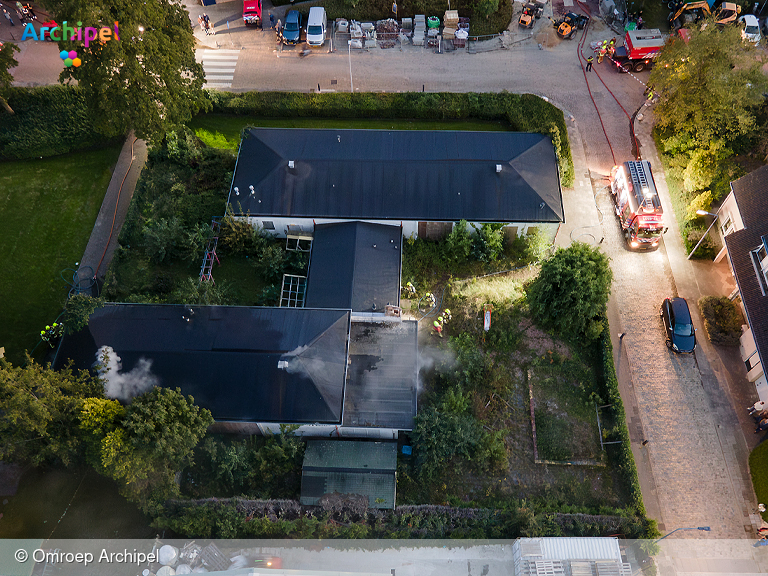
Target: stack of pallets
(419,29)
(450,24)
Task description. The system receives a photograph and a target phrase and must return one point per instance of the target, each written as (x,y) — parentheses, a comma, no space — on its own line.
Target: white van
(316,26)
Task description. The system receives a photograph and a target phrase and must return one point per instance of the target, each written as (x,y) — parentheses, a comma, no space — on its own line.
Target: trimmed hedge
(48,121)
(524,112)
(722,320)
(758,468)
(621,454)
(240,518)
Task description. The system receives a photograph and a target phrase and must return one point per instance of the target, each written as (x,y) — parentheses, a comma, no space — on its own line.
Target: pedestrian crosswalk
(219,66)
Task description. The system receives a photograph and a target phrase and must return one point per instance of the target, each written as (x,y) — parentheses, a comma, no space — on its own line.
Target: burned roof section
(355,265)
(437,175)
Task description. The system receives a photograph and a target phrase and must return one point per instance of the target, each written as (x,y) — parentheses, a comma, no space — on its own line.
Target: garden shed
(290,180)
(350,467)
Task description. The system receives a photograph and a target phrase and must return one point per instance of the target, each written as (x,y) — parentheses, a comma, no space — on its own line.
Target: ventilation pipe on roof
(498,168)
(291,164)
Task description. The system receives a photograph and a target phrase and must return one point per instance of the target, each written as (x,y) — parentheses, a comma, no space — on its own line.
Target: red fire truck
(252,13)
(637,204)
(639,50)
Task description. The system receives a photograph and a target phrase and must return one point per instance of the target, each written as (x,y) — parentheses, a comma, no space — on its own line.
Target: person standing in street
(758,406)
(8,16)
(589,63)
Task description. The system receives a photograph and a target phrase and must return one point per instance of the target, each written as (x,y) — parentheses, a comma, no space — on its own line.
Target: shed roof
(436,175)
(227,357)
(350,467)
(355,265)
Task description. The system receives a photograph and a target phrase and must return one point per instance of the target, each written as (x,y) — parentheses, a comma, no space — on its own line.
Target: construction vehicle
(252,13)
(688,12)
(569,24)
(637,204)
(532,11)
(640,49)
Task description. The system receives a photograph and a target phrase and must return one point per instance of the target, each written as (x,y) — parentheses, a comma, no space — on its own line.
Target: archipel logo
(70,58)
(64,32)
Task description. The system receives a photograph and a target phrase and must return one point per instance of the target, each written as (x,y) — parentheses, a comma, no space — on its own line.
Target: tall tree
(710,86)
(7,61)
(39,419)
(148,79)
(571,292)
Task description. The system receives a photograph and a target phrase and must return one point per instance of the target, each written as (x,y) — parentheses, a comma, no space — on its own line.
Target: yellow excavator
(694,11)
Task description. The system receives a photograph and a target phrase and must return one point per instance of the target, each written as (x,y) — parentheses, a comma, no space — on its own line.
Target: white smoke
(127,385)
(439,359)
(308,367)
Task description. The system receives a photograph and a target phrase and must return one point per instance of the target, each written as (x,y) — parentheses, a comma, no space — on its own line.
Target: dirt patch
(540,343)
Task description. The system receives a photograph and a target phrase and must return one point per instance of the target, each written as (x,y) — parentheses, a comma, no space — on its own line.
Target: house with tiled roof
(743,227)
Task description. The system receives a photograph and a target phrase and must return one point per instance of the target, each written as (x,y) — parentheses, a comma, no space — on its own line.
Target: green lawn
(223,131)
(47,211)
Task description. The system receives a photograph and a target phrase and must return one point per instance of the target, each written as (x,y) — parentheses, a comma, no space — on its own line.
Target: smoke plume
(129,384)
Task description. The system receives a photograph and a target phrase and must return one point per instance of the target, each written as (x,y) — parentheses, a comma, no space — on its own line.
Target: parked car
(50,25)
(750,29)
(316,23)
(680,333)
(292,28)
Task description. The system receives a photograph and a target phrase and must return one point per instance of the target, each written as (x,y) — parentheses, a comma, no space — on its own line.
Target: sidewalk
(103,241)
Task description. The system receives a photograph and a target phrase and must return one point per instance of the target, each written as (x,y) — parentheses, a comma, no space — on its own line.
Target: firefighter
(446,315)
(602,52)
(438,328)
(611,47)
(589,63)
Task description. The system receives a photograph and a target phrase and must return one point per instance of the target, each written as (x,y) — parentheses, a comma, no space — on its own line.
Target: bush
(722,320)
(48,121)
(78,310)
(524,112)
(706,250)
(487,242)
(758,468)
(571,291)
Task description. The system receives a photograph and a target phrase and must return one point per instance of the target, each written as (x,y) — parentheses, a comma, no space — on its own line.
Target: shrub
(571,291)
(459,243)
(487,242)
(706,250)
(758,468)
(78,310)
(722,320)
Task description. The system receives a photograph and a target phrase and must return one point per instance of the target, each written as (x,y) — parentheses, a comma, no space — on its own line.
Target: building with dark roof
(356,266)
(743,226)
(350,467)
(288,180)
(256,368)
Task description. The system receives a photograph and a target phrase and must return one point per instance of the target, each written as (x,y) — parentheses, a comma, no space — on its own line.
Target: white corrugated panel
(580,548)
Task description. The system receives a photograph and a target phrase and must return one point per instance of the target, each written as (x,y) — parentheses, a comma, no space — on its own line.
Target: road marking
(219,66)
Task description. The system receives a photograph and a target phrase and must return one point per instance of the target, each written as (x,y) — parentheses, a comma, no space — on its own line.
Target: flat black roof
(383,375)
(227,357)
(355,265)
(438,175)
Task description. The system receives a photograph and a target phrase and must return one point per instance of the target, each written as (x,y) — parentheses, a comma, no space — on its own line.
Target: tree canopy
(7,61)
(148,80)
(710,86)
(571,292)
(39,418)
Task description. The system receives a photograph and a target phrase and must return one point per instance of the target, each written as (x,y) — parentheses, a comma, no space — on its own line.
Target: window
(727,226)
(752,361)
(760,262)
(267,225)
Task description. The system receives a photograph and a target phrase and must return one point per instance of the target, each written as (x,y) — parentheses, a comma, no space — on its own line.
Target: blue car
(678,325)
(292,28)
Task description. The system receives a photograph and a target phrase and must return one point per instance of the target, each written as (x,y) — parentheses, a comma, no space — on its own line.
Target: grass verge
(47,211)
(758,468)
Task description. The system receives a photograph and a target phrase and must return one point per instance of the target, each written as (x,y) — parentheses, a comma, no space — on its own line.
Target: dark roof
(227,357)
(355,265)
(438,175)
(383,375)
(350,467)
(750,193)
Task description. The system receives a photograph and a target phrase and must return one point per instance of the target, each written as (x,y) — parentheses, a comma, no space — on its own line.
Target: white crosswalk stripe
(219,66)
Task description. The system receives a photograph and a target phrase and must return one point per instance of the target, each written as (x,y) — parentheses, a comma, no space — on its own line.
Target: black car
(292,28)
(681,336)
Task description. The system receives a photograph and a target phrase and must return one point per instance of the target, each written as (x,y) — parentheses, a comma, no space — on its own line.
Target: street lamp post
(349,53)
(703,213)
(702,528)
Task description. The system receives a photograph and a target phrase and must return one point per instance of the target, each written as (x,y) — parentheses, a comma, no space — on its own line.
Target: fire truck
(639,50)
(252,13)
(637,204)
